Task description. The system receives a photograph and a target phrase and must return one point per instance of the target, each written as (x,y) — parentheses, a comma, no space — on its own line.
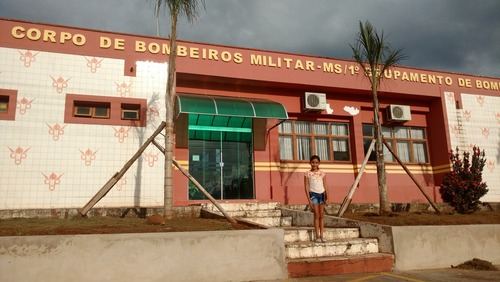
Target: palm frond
(188,8)
(373,53)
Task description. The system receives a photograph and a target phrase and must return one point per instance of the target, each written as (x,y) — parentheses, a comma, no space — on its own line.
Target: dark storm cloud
(459,36)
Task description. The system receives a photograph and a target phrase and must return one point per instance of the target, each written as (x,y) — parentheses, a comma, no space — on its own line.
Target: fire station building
(77,104)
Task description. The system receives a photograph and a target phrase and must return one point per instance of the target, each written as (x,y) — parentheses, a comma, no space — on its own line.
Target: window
(130,111)
(301,139)
(8,100)
(409,143)
(4,104)
(90,109)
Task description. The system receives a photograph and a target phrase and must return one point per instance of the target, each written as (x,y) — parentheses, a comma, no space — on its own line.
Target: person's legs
(321,219)
(316,222)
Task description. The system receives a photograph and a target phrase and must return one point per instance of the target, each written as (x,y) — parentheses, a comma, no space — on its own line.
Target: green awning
(228,106)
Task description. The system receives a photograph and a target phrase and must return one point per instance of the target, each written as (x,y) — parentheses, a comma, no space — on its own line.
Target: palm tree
(375,56)
(176,8)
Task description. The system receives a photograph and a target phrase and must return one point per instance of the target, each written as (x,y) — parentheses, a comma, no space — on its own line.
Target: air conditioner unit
(314,101)
(398,113)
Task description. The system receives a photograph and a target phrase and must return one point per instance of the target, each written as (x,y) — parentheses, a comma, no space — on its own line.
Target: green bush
(463,187)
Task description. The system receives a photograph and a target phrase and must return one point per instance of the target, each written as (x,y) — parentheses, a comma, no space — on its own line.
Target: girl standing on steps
(316,187)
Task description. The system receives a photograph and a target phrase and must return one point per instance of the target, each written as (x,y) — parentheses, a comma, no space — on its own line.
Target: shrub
(463,187)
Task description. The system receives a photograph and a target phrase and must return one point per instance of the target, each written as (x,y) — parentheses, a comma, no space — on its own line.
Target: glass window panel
(303,147)
(4,102)
(130,114)
(286,147)
(322,148)
(366,145)
(285,127)
(320,128)
(386,132)
(417,133)
(83,111)
(420,151)
(341,149)
(367,130)
(302,127)
(388,157)
(340,129)
(403,151)
(101,112)
(401,132)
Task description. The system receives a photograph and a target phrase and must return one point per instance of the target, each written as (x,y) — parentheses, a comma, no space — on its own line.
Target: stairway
(264,214)
(343,252)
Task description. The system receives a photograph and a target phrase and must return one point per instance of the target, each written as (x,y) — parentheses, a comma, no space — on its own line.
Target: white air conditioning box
(398,113)
(314,101)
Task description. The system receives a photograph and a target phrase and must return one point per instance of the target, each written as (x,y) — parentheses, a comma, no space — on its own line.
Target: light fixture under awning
(228,106)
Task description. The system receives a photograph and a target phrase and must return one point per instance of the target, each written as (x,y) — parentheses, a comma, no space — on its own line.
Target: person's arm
(306,187)
(325,185)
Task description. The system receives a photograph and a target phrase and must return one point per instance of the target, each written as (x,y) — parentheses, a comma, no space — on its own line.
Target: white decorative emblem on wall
(328,109)
(351,110)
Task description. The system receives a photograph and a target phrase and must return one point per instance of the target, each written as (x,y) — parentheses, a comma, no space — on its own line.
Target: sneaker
(323,240)
(318,240)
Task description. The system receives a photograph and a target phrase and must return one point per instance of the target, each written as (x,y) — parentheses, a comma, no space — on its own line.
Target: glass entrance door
(221,161)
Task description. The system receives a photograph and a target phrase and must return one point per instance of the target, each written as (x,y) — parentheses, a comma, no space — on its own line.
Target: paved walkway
(433,275)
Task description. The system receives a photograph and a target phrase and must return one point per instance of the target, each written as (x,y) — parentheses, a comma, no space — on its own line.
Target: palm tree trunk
(168,212)
(379,145)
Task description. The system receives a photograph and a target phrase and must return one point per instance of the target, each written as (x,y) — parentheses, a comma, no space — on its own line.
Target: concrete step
(254,206)
(376,262)
(339,247)
(265,214)
(302,234)
(274,221)
(253,213)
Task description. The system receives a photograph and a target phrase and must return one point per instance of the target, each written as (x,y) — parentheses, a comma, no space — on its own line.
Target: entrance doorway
(221,158)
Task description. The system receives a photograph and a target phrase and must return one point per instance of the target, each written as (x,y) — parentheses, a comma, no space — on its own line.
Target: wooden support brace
(348,198)
(116,177)
(197,184)
(413,178)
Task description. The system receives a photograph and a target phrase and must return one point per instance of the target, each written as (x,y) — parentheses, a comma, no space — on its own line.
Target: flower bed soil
(109,225)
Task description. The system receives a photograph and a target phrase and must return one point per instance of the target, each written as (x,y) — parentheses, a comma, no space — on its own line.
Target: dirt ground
(428,218)
(108,225)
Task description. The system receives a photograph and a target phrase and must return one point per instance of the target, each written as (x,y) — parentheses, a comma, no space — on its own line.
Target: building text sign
(283,61)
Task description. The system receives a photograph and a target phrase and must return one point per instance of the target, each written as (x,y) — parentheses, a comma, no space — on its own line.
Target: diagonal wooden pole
(114,179)
(348,198)
(413,178)
(197,184)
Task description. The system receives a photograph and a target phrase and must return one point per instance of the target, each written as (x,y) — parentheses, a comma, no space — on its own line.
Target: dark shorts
(317,198)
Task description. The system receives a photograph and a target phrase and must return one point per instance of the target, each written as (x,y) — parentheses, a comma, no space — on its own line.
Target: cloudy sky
(460,36)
